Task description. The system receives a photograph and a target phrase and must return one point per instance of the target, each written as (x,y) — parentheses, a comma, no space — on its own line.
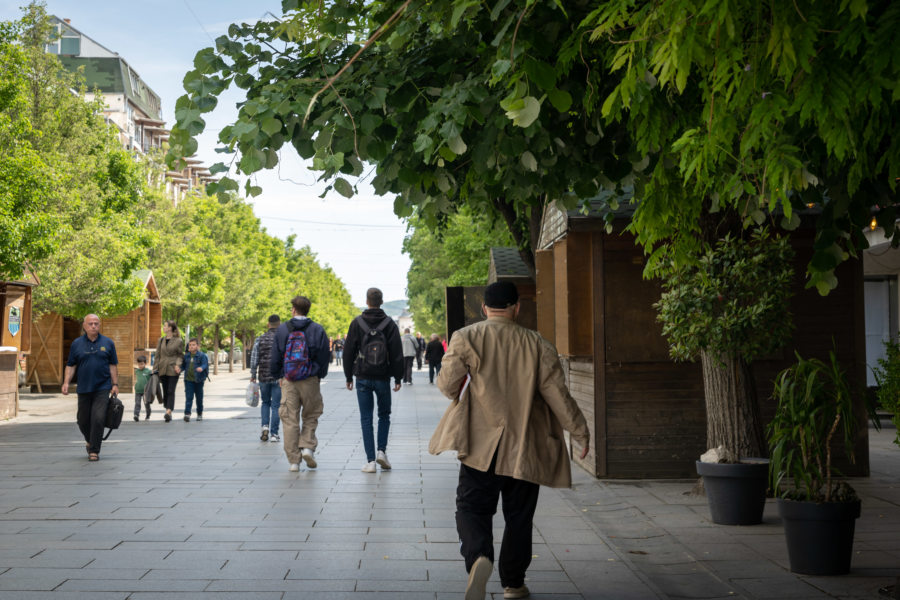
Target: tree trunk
(231,354)
(248,340)
(216,351)
(200,335)
(732,410)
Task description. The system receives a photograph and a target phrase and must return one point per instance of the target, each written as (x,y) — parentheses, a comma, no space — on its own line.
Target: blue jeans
(191,389)
(367,390)
(269,403)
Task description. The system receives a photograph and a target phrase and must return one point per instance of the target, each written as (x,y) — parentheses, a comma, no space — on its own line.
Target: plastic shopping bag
(252,397)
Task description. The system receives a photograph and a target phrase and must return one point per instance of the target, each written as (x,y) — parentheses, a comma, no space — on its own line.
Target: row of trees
(85,214)
(456,253)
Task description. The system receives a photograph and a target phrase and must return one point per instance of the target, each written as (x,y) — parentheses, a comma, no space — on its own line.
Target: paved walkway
(206,510)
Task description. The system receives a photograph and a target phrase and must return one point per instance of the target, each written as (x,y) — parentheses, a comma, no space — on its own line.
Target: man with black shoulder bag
(94,357)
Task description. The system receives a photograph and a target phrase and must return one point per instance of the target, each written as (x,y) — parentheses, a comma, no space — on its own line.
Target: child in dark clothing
(141,376)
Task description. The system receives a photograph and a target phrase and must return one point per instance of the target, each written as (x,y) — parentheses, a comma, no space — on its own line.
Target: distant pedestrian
(434,353)
(507,429)
(420,350)
(374,354)
(169,352)
(195,366)
(141,376)
(409,355)
(299,362)
(269,390)
(93,357)
(338,351)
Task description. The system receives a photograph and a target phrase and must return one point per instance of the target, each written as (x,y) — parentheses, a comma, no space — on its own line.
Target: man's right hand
(397,387)
(584,452)
(350,385)
(65,389)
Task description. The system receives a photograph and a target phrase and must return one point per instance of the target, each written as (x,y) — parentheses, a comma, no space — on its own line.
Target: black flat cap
(501,294)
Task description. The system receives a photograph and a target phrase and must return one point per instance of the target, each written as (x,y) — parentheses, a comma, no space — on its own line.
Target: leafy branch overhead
(745,108)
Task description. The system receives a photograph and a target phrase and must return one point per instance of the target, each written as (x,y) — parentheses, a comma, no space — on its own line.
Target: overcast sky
(359,238)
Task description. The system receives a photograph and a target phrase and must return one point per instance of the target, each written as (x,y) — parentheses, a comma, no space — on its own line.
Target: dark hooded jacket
(316,345)
(374,317)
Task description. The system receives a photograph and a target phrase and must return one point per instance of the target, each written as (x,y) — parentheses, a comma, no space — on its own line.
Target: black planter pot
(736,492)
(819,536)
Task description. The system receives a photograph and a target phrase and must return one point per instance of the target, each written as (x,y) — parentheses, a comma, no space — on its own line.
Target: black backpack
(114,411)
(373,359)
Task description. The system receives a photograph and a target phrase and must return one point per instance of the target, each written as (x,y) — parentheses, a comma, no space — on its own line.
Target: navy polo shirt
(92,360)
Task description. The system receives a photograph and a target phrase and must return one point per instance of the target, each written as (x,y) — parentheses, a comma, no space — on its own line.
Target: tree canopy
(718,112)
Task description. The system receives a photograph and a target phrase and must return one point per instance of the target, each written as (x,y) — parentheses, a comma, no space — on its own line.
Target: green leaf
(528,161)
(343,187)
(457,145)
(525,116)
(218,168)
(271,126)
(560,99)
(541,73)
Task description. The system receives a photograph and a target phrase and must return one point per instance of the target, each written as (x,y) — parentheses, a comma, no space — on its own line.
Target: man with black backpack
(373,352)
(299,360)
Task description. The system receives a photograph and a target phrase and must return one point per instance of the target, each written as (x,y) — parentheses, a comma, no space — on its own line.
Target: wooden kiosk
(646,412)
(15,338)
(134,333)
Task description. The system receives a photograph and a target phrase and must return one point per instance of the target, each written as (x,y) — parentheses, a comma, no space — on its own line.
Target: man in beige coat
(510,406)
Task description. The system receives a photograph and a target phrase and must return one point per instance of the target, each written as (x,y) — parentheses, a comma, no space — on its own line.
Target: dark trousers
(476,503)
(92,417)
(138,400)
(168,383)
(434,368)
(407,368)
(192,389)
(419,360)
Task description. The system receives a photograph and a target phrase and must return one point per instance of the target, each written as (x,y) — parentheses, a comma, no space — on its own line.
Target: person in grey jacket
(410,347)
(269,390)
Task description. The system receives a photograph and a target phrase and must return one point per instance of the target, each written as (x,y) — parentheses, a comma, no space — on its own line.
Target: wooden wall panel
(632,332)
(155,324)
(561,296)
(544,296)
(46,362)
(580,381)
(122,331)
(9,383)
(656,420)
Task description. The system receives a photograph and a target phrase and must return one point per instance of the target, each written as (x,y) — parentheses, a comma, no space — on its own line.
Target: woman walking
(169,354)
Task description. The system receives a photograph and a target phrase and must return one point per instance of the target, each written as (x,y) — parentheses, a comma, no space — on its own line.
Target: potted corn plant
(814,416)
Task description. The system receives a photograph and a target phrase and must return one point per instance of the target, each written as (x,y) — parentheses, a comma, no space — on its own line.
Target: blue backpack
(297,364)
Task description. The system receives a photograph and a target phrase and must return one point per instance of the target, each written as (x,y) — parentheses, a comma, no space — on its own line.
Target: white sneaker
(294,468)
(369,468)
(307,455)
(274,437)
(478,578)
(265,433)
(381,459)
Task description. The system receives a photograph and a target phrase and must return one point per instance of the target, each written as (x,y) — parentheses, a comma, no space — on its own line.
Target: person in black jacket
(373,369)
(302,392)
(434,353)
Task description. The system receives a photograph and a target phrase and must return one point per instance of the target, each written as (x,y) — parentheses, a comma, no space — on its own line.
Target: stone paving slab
(207,511)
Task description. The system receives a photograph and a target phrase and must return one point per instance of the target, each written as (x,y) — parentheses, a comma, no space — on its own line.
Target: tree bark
(732,410)
(231,354)
(216,351)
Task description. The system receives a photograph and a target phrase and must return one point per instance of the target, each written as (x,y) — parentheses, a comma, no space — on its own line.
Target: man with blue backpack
(299,361)
(373,352)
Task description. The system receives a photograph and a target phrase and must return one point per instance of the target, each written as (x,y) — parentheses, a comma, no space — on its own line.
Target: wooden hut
(15,338)
(647,412)
(134,334)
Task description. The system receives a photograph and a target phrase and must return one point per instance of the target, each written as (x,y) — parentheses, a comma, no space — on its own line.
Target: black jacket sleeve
(322,356)
(395,351)
(351,349)
(276,360)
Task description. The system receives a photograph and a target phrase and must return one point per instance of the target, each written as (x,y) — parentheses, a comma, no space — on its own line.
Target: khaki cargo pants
(299,399)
